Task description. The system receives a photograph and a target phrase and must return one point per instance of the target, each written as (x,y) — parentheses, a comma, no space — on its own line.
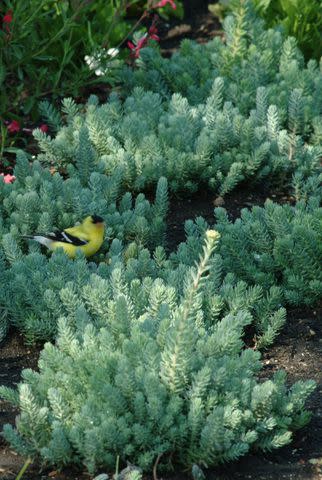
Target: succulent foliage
(145,374)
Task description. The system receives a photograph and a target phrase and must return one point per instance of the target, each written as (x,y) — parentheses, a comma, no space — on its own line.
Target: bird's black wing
(66,238)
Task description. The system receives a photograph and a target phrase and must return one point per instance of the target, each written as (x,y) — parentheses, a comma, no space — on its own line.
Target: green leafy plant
(50,48)
(301,19)
(59,35)
(147,379)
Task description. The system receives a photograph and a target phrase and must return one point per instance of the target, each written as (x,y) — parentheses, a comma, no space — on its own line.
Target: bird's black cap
(97,219)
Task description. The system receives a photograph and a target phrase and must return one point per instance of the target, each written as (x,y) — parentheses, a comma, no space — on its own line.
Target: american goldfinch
(87,237)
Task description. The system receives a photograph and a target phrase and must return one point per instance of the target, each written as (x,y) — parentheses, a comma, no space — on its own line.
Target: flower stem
(24,468)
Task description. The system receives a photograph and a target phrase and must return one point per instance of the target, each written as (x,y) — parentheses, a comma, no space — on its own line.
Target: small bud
(212,235)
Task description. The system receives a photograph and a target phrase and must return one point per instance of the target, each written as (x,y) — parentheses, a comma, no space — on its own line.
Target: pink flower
(136,48)
(43,128)
(7,178)
(153,33)
(13,126)
(141,42)
(163,3)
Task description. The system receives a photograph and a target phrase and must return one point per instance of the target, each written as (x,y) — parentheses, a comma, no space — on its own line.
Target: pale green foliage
(307,188)
(215,115)
(188,71)
(62,285)
(149,359)
(125,384)
(265,303)
(277,249)
(210,144)
(50,114)
(38,202)
(276,245)
(252,57)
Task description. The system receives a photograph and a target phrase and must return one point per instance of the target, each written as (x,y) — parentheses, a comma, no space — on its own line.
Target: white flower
(98,61)
(88,59)
(112,52)
(91,61)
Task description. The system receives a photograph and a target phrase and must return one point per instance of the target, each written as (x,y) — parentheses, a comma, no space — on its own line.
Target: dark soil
(201,28)
(203,203)
(14,357)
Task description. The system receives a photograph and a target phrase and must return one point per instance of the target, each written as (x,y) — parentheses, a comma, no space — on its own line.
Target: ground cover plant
(280,245)
(274,246)
(38,201)
(149,360)
(61,284)
(174,386)
(250,57)
(249,109)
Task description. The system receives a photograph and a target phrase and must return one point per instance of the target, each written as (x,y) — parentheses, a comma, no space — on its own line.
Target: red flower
(163,3)
(7,178)
(13,126)
(131,45)
(43,128)
(136,48)
(142,41)
(153,33)
(7,17)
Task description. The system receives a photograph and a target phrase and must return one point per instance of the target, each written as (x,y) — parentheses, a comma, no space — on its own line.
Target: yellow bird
(86,237)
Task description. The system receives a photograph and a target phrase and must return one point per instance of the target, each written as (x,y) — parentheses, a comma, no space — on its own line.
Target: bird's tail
(40,239)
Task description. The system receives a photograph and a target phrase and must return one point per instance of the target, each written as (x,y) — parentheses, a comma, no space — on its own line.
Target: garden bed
(297,350)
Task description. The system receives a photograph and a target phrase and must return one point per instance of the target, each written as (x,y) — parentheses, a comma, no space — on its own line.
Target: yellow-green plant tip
(212,234)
